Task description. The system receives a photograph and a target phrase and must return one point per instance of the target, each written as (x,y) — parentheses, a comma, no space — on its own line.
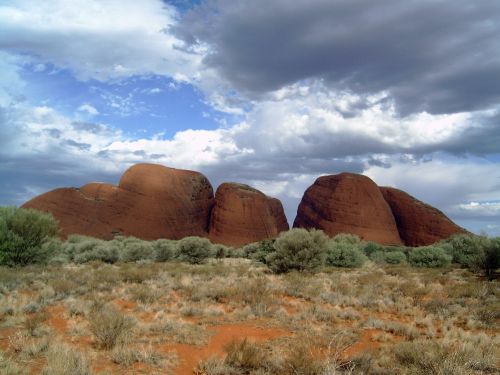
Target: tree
(23,234)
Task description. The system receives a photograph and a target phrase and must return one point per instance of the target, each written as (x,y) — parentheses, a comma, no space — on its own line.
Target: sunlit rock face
(348,203)
(151,201)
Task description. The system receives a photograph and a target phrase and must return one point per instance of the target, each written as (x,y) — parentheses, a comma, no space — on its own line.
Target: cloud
(479,210)
(42,149)
(451,184)
(79,36)
(87,108)
(433,56)
(315,87)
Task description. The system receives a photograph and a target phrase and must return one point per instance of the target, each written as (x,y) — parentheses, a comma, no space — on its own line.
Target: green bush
(259,250)
(220,251)
(372,247)
(104,251)
(395,257)
(344,253)
(298,249)
(236,252)
(134,249)
(429,256)
(83,249)
(488,260)
(194,250)
(465,248)
(389,257)
(23,233)
(164,250)
(347,238)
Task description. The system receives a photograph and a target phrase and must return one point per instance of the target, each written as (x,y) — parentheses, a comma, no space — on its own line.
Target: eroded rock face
(419,224)
(348,203)
(243,215)
(150,202)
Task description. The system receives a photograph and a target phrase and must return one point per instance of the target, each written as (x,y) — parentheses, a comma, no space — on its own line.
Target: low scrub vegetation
(429,256)
(28,237)
(25,236)
(298,249)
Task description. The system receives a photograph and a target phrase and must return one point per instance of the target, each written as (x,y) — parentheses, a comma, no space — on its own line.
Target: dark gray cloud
(78,145)
(482,138)
(437,56)
(23,177)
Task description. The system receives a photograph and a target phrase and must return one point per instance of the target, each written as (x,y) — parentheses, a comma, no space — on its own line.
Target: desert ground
(233,316)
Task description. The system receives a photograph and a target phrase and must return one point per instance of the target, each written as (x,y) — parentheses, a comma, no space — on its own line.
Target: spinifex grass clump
(109,326)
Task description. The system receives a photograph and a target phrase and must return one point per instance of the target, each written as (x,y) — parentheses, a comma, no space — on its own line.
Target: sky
(272,93)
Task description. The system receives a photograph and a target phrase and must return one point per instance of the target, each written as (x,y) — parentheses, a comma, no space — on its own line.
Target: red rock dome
(419,224)
(151,201)
(243,214)
(348,203)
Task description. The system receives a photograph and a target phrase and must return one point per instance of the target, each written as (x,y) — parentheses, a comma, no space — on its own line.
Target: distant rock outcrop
(348,203)
(243,214)
(419,224)
(150,202)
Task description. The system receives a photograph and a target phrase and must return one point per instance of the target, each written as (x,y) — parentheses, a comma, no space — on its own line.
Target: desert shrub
(9,367)
(236,252)
(298,249)
(465,248)
(194,250)
(164,250)
(429,256)
(136,273)
(127,356)
(488,260)
(23,233)
(371,247)
(32,322)
(395,257)
(220,251)
(134,249)
(345,251)
(144,294)
(109,326)
(103,251)
(347,238)
(64,360)
(54,247)
(83,249)
(445,357)
(244,355)
(389,257)
(259,250)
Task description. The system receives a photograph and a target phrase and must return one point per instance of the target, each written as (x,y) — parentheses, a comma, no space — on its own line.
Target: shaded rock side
(419,224)
(150,202)
(348,203)
(242,215)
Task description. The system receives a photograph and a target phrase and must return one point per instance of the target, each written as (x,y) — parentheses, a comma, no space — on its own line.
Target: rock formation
(418,223)
(243,214)
(348,203)
(150,202)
